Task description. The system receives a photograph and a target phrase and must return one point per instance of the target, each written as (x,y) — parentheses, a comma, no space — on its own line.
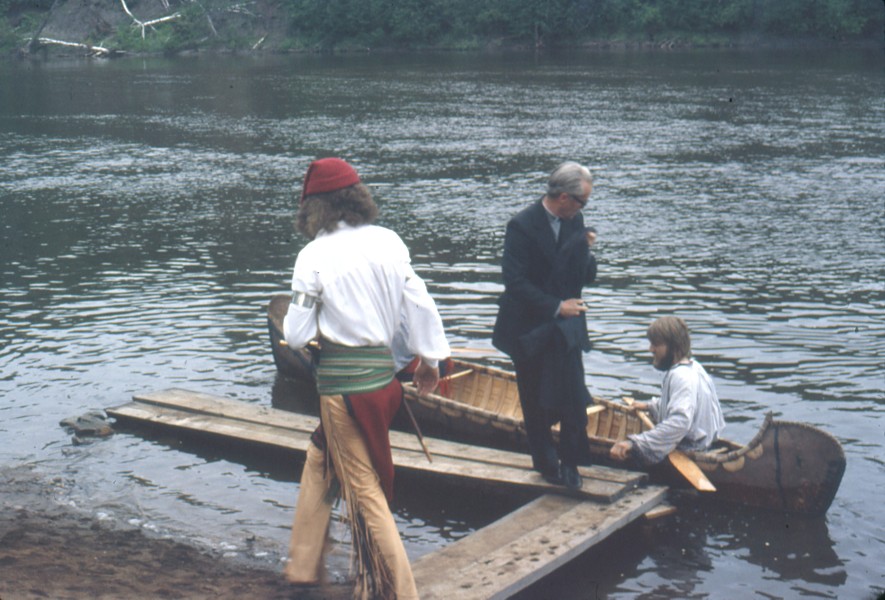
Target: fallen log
(89,49)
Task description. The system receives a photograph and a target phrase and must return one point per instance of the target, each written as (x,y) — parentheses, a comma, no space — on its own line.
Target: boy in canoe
(687,413)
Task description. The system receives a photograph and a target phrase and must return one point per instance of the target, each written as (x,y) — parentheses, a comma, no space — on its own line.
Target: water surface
(147,210)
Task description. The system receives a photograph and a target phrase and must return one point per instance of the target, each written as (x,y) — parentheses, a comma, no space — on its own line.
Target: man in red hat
(353,286)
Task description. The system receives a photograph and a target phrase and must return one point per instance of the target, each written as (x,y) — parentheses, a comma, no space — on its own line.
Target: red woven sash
(374,412)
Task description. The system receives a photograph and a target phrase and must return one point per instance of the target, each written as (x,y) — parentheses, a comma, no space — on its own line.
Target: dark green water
(146,212)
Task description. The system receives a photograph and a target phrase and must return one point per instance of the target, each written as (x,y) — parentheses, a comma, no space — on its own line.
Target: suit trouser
(354,469)
(572,422)
(537,426)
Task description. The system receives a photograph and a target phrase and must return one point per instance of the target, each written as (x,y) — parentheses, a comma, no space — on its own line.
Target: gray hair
(567,178)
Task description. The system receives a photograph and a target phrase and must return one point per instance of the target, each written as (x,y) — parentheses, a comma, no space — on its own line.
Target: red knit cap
(328,175)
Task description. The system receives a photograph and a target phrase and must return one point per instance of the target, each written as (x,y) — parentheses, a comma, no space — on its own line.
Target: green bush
(9,39)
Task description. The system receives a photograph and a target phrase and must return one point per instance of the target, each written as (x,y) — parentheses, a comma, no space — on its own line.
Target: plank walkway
(249,422)
(522,547)
(494,562)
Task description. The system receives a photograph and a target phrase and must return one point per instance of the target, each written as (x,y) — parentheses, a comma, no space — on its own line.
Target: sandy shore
(49,550)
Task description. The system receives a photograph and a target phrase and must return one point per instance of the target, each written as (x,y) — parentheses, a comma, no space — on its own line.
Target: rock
(93,424)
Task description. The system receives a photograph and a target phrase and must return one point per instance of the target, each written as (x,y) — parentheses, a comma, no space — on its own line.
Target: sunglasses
(581,201)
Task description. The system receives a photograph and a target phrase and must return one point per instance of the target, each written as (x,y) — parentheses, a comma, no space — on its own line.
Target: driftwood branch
(165,19)
(145,24)
(88,48)
(211,24)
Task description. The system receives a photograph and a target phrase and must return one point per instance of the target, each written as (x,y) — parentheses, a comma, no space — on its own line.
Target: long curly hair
(323,212)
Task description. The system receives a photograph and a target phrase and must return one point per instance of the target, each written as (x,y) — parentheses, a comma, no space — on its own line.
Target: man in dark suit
(541,323)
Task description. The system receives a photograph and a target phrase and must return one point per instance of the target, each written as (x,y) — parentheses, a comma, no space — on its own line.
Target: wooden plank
(404,459)
(524,546)
(225,407)
(255,413)
(495,562)
(240,430)
(195,411)
(515,459)
(660,511)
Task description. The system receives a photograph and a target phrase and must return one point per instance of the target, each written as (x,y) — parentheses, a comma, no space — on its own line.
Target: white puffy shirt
(688,414)
(363,280)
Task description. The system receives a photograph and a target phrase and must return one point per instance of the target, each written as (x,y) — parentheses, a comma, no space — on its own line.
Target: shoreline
(69,49)
(49,549)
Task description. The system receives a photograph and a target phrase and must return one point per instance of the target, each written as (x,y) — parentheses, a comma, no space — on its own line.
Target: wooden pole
(417,429)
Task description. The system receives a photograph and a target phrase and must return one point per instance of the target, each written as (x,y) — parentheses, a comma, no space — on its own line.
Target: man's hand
(426,378)
(620,450)
(591,238)
(571,308)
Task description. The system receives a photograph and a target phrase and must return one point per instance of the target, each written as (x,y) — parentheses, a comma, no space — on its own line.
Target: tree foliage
(359,24)
(329,23)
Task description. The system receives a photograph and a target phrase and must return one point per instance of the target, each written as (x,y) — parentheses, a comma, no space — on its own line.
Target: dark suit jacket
(538,274)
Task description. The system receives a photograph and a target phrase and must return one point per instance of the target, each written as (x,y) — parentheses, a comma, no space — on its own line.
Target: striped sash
(347,370)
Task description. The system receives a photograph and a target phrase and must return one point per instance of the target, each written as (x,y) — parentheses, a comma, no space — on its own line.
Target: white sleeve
(654,408)
(427,337)
(300,324)
(654,445)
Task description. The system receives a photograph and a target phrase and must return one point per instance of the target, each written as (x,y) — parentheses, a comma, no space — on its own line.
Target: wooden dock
(513,552)
(519,549)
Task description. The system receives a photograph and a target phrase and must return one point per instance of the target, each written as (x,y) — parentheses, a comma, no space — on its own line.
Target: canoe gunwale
(718,458)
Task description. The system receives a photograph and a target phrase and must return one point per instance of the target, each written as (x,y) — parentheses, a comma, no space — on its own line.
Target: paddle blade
(691,471)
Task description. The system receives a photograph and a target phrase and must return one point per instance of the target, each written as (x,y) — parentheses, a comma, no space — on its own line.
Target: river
(147,209)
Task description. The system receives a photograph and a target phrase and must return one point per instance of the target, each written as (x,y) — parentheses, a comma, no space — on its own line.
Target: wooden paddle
(686,466)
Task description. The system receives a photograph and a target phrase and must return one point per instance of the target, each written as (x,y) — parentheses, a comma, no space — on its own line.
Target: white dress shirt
(364,286)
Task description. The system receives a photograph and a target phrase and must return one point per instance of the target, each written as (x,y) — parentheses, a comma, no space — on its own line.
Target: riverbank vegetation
(172,26)
(548,23)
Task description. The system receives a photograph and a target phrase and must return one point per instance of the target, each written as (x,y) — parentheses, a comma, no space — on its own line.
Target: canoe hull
(791,467)
(297,364)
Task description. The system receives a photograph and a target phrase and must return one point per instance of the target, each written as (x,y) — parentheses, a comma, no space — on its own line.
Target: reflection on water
(751,554)
(147,219)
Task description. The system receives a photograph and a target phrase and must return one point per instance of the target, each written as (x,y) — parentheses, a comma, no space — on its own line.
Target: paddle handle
(646,420)
(643,416)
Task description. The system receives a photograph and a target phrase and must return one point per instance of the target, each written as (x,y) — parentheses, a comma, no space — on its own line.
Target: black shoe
(553,475)
(571,478)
